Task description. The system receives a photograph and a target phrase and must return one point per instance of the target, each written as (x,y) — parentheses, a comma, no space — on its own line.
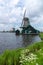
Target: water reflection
(11,41)
(29,39)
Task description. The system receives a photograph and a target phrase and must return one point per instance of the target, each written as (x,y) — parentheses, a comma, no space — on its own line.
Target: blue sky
(11,13)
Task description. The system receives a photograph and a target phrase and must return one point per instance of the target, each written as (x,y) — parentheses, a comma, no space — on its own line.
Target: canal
(11,41)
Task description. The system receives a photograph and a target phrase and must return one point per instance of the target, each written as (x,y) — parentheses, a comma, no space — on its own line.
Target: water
(11,41)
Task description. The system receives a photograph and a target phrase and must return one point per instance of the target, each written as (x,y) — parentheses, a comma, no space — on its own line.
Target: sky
(12,11)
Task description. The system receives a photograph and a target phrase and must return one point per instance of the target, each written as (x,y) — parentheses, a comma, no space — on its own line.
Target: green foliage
(31,55)
(41,35)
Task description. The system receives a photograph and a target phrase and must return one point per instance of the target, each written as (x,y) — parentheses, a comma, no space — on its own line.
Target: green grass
(31,55)
(10,57)
(41,35)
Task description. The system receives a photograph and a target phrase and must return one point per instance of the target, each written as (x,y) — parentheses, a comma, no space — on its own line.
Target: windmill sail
(23,18)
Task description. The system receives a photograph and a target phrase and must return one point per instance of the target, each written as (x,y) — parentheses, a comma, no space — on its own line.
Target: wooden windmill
(25,21)
(26,27)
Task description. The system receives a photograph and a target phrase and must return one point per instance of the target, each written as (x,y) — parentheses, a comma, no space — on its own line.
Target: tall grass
(10,57)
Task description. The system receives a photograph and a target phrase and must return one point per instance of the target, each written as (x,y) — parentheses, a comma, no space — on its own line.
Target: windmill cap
(25,18)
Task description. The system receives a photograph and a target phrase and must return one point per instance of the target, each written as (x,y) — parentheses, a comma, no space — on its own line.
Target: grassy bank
(41,35)
(31,55)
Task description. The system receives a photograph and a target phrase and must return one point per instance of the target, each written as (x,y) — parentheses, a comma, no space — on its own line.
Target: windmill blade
(24,13)
(23,17)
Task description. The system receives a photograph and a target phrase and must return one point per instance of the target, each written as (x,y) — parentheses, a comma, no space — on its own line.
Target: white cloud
(12,20)
(1,0)
(32,7)
(16,11)
(12,11)
(14,2)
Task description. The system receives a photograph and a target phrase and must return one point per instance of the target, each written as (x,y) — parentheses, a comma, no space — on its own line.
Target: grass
(41,35)
(31,55)
(10,57)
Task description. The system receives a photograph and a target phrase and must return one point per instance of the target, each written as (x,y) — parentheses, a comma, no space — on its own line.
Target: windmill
(26,27)
(25,21)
